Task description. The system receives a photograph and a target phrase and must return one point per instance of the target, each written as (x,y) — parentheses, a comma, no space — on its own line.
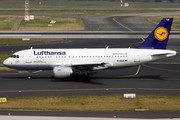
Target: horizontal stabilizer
(163,53)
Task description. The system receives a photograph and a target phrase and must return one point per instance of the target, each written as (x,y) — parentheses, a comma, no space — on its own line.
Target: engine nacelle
(62,72)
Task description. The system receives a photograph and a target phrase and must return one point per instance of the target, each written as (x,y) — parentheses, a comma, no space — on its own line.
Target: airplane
(66,62)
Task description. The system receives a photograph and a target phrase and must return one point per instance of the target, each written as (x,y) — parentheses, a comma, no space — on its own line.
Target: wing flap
(88,64)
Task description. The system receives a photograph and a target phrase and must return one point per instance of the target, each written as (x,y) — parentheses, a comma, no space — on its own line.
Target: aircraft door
(28,57)
(136,56)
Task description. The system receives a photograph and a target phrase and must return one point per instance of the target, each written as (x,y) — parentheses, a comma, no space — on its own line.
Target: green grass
(62,24)
(3,57)
(83,12)
(20,41)
(2,68)
(176,21)
(94,103)
(85,4)
(2,19)
(43,22)
(6,25)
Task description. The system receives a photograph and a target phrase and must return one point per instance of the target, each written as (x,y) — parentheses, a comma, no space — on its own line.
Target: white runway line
(96,89)
(3,117)
(18,35)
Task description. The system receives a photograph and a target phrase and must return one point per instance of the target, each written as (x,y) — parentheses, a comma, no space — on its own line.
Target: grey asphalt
(96,114)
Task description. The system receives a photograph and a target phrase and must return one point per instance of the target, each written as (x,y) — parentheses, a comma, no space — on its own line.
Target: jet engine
(62,72)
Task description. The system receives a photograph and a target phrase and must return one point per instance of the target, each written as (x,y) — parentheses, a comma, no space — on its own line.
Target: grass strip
(94,103)
(2,68)
(87,4)
(2,19)
(176,21)
(6,25)
(83,12)
(3,57)
(41,23)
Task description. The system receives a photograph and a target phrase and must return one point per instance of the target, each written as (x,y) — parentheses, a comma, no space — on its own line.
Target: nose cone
(6,62)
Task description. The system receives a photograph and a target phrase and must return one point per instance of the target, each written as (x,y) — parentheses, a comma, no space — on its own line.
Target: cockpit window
(14,56)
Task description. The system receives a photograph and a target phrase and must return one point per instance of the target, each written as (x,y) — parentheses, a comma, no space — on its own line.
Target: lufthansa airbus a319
(66,62)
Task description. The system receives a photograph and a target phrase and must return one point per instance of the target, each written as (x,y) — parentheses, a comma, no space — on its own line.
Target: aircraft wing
(84,66)
(90,66)
(87,64)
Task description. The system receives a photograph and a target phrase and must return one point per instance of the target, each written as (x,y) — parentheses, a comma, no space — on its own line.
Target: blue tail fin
(159,36)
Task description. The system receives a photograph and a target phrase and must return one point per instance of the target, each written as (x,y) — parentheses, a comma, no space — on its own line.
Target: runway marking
(62,90)
(160,68)
(165,63)
(18,35)
(98,89)
(157,89)
(123,25)
(142,39)
(133,74)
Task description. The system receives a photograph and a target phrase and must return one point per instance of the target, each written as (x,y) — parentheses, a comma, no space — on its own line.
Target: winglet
(158,38)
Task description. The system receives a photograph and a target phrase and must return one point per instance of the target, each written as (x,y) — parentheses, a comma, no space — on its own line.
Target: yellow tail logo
(161,33)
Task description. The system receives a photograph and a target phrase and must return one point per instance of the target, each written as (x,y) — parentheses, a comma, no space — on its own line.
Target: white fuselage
(47,59)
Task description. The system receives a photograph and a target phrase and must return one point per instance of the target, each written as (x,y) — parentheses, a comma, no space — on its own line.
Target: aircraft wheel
(29,77)
(86,77)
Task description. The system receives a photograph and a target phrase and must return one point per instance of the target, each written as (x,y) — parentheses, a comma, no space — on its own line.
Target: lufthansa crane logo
(161,33)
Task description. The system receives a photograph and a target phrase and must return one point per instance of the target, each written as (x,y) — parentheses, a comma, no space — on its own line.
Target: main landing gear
(86,76)
(29,76)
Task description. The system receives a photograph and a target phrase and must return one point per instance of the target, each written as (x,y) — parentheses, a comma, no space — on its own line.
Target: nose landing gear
(29,76)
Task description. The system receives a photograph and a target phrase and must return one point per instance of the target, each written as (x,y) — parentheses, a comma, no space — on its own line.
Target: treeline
(172,1)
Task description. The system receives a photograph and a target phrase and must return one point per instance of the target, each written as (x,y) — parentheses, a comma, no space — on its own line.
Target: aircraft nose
(6,62)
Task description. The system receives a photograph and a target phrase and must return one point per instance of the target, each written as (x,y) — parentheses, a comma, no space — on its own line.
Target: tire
(29,77)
